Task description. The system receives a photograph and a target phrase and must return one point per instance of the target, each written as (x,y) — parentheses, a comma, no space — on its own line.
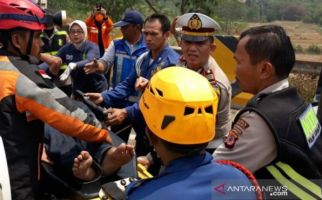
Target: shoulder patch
(310,125)
(234,133)
(43,74)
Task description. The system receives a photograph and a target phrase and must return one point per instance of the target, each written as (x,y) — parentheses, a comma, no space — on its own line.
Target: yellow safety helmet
(180,106)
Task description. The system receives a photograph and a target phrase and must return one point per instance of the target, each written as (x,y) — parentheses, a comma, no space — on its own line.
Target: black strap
(30,40)
(100,40)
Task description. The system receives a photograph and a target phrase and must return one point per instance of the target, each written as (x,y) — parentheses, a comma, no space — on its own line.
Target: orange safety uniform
(92,31)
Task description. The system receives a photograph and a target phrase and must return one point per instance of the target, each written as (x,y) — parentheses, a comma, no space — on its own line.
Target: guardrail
(307,66)
(304,66)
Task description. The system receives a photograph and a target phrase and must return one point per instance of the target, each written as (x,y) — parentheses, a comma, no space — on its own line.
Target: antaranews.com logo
(237,189)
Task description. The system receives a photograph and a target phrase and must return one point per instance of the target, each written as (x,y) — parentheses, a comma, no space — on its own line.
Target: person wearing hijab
(76,54)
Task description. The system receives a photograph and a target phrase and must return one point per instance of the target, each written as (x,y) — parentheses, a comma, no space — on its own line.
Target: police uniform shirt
(255,146)
(223,122)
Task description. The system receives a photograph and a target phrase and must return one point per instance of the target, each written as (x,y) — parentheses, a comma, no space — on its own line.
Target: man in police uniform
(186,98)
(197,43)
(277,133)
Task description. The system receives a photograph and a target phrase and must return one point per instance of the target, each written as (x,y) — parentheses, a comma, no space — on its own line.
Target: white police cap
(197,27)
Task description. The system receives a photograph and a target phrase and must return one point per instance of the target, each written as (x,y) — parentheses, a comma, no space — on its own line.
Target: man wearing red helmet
(28,98)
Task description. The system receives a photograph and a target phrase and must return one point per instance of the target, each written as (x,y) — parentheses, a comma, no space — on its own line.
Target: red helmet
(21,13)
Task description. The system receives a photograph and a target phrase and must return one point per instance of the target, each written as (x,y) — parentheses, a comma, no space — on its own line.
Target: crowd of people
(178,106)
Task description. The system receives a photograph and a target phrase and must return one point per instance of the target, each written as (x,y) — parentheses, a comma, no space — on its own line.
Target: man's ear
(213,47)
(18,40)
(266,70)
(153,139)
(167,34)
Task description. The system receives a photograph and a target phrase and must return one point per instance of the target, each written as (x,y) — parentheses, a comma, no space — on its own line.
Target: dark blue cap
(130,17)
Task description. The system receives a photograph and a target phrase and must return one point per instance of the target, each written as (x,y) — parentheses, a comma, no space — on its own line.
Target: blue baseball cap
(130,17)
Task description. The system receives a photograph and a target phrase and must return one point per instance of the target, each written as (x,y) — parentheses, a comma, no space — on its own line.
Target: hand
(64,76)
(141,83)
(116,157)
(121,154)
(97,98)
(116,116)
(143,160)
(173,25)
(54,62)
(101,11)
(91,67)
(44,156)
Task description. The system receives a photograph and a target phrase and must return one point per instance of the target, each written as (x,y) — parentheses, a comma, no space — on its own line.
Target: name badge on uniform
(310,125)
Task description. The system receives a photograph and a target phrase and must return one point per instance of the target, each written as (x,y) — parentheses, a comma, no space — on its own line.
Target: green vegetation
(228,12)
(314,49)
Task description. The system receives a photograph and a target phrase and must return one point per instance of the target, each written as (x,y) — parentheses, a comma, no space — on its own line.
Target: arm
(53,107)
(108,58)
(89,21)
(121,91)
(174,31)
(223,123)
(91,51)
(255,146)
(104,63)
(54,62)
(109,25)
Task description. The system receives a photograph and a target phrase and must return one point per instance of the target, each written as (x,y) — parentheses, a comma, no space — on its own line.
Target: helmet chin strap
(30,40)
(29,45)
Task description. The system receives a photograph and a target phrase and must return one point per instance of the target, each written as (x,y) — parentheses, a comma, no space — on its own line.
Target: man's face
(128,30)
(37,43)
(197,53)
(246,73)
(153,35)
(76,34)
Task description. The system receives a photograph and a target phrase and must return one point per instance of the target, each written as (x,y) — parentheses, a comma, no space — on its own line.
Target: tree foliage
(227,12)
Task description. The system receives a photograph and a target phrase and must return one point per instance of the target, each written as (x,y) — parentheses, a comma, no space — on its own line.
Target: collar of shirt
(135,46)
(201,69)
(80,46)
(276,87)
(163,54)
(186,163)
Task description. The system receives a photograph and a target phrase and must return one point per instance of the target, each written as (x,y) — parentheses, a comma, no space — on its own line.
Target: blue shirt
(112,98)
(195,177)
(86,53)
(125,57)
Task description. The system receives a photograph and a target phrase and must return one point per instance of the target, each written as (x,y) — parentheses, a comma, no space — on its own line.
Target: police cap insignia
(194,22)
(197,26)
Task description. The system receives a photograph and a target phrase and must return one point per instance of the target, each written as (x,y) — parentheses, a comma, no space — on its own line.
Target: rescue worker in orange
(28,98)
(99,26)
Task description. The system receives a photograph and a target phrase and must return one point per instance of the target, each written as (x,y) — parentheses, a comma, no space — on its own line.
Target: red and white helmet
(21,13)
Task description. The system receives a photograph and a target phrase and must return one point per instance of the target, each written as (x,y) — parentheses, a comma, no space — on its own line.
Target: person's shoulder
(67,46)
(61,32)
(172,56)
(91,45)
(228,171)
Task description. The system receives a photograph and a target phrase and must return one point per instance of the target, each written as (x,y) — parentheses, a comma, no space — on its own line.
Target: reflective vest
(124,62)
(297,134)
(54,43)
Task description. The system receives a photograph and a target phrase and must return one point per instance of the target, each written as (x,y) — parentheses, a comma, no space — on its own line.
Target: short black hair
(186,150)
(164,20)
(271,43)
